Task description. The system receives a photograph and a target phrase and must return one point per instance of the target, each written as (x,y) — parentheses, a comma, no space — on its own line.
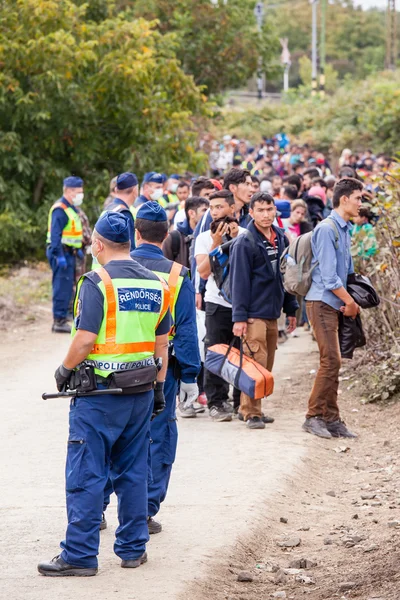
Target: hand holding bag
(234,367)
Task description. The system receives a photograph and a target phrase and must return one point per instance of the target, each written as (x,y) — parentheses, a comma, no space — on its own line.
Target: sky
(371,3)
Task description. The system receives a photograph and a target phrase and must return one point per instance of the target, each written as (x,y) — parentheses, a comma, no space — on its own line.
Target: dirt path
(223,477)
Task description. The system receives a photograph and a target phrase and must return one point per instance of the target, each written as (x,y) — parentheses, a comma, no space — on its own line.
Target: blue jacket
(186,345)
(119,205)
(59,219)
(257,292)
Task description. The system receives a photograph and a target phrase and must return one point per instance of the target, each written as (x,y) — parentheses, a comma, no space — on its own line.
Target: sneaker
(199,408)
(264,418)
(295,333)
(282,337)
(228,407)
(187,411)
(154,526)
(255,423)
(61,326)
(202,399)
(218,413)
(338,429)
(316,426)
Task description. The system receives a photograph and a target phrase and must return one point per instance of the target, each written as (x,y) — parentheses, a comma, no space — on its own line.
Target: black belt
(69,249)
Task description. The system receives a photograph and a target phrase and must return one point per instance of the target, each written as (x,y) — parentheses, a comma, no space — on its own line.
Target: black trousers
(218,331)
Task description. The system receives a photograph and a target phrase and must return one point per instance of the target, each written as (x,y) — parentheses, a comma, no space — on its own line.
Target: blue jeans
(102,430)
(63,284)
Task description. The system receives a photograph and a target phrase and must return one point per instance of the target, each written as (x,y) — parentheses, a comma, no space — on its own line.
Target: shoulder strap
(166,302)
(173,283)
(59,205)
(176,243)
(111,317)
(335,229)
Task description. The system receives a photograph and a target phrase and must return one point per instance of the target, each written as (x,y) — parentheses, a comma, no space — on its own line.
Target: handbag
(241,371)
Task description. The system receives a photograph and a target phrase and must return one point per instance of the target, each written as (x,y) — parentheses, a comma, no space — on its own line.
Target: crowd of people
(179,264)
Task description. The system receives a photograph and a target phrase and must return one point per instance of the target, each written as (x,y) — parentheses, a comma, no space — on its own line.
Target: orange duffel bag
(234,367)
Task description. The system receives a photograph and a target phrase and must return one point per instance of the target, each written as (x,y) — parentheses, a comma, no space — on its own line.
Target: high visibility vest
(133,309)
(72,234)
(174,280)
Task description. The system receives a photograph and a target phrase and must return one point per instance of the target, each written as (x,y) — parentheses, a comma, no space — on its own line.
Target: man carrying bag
(258,295)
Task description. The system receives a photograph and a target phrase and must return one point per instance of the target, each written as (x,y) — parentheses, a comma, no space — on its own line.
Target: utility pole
(391,36)
(322,50)
(314,48)
(259,13)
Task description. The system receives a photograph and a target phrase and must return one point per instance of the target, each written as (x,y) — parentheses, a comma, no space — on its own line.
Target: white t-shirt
(179,217)
(203,245)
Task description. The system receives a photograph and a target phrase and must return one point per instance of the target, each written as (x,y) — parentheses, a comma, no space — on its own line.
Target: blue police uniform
(61,257)
(163,430)
(107,430)
(151,177)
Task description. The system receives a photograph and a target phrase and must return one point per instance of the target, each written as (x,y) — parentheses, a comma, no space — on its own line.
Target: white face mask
(156,194)
(77,201)
(173,187)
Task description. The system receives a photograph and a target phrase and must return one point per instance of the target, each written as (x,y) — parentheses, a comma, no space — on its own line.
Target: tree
(92,98)
(217,42)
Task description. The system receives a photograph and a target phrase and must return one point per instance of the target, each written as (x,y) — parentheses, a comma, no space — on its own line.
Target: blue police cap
(73,182)
(113,226)
(153,177)
(175,176)
(126,180)
(165,177)
(152,211)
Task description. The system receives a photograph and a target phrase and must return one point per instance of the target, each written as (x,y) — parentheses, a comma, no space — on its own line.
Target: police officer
(184,362)
(172,184)
(152,189)
(64,243)
(125,193)
(122,322)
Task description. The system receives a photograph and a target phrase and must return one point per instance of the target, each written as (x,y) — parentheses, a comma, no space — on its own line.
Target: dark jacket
(180,239)
(316,209)
(257,292)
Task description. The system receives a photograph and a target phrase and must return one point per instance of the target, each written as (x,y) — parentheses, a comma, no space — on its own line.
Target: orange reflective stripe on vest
(172,283)
(166,302)
(111,346)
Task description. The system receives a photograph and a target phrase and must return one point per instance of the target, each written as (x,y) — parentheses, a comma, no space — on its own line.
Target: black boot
(59,568)
(133,564)
(154,526)
(61,326)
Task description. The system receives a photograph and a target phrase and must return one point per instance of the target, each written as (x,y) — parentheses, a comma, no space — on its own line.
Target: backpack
(295,262)
(219,263)
(175,243)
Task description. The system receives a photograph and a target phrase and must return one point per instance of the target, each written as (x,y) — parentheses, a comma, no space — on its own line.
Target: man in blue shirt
(326,298)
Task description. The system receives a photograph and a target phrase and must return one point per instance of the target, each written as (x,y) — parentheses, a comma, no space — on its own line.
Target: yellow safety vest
(72,234)
(127,334)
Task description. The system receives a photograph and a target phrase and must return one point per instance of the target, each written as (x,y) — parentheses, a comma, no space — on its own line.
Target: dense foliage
(92,98)
(358,115)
